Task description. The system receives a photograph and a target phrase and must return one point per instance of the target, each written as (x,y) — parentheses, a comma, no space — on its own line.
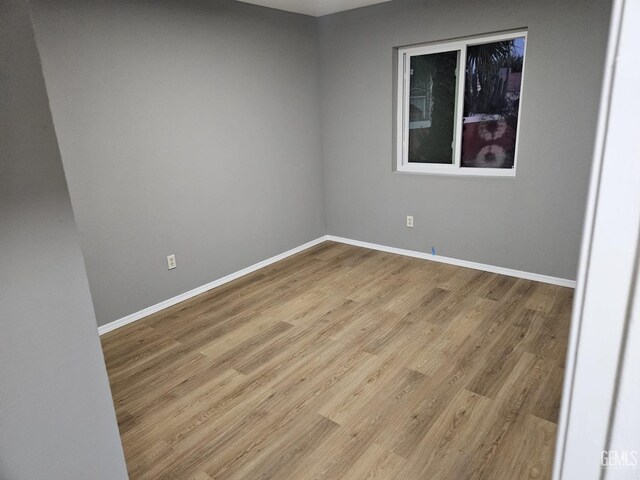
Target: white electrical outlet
(410,221)
(171,261)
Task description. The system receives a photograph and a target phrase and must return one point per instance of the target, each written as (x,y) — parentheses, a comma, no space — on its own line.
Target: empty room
(319,239)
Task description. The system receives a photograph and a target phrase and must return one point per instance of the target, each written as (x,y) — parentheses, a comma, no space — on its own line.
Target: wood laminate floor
(345,363)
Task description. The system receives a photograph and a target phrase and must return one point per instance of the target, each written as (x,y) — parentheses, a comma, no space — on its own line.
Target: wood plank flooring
(345,363)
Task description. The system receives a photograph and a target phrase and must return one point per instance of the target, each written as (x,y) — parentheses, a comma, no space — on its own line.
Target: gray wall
(184,127)
(532,222)
(226,133)
(56,416)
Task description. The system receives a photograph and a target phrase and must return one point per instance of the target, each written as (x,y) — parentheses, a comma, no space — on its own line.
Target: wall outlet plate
(171,261)
(410,221)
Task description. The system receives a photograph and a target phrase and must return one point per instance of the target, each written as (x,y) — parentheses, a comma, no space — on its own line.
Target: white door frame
(607,271)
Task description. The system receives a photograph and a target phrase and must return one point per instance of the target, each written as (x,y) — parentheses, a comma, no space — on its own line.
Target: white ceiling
(315,8)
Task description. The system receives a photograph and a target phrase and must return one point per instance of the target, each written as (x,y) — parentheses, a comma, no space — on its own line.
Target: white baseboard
(398,251)
(563,282)
(204,288)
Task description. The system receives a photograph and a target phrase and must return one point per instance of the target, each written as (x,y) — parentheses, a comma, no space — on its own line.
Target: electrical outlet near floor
(410,221)
(171,261)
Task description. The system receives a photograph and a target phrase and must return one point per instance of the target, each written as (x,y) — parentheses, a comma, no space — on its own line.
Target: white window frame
(402,104)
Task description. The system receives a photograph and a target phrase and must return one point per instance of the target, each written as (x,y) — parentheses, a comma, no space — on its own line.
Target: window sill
(461,172)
